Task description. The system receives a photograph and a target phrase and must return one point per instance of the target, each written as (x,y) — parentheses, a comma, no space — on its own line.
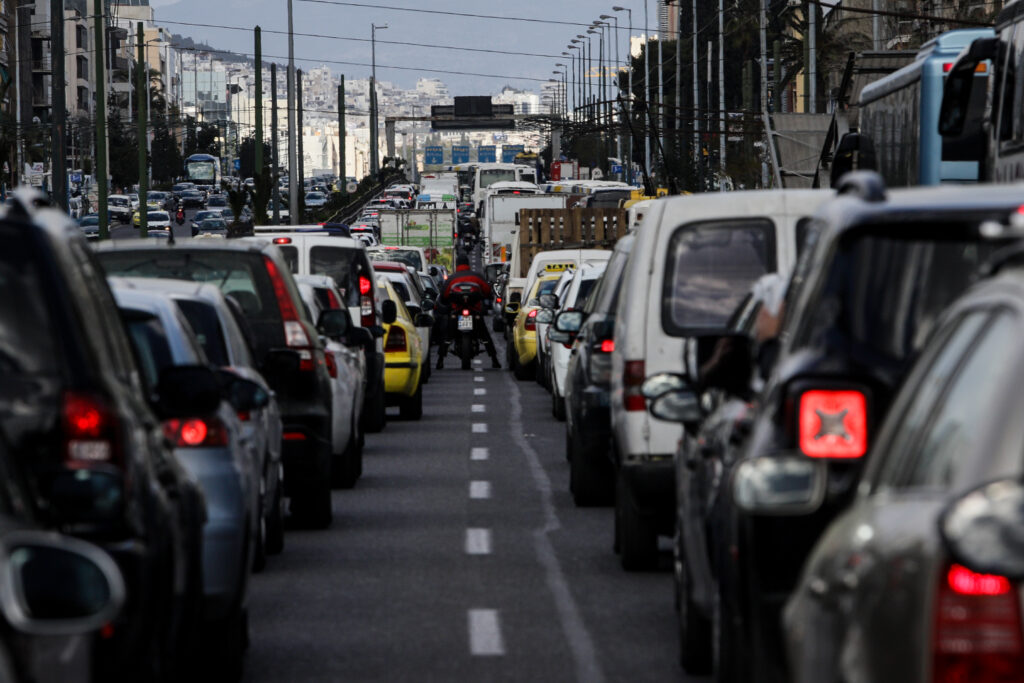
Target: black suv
(87,436)
(287,346)
(876,274)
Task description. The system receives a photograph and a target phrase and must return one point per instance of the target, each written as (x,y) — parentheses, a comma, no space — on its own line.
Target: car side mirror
(428,305)
(424,320)
(779,486)
(512,308)
(58,585)
(187,390)
(984,529)
(569,321)
(243,394)
(388,311)
(548,301)
(334,323)
(557,337)
(956,92)
(359,336)
(545,316)
(677,405)
(720,361)
(662,383)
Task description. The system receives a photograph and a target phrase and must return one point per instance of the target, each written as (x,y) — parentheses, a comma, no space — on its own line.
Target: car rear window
(344,264)
(882,294)
(291,257)
(152,347)
(408,257)
(26,334)
(709,268)
(206,325)
(586,287)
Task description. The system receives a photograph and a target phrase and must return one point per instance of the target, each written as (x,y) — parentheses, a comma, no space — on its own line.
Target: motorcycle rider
(464,274)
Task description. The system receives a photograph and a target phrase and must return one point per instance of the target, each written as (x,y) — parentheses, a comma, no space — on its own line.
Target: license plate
(465,323)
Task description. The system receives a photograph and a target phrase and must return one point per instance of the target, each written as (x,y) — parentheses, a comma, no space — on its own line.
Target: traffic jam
(767,434)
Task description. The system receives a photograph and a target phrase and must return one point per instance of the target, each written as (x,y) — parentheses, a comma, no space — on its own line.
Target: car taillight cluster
(369,319)
(332,300)
(977,629)
(633,378)
(531,320)
(295,336)
(196,432)
(395,340)
(833,423)
(90,430)
(332,364)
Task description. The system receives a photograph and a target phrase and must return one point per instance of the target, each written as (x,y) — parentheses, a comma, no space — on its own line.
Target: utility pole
(100,163)
(143,107)
(341,133)
(647,93)
(628,167)
(293,164)
(58,107)
(764,56)
(679,81)
(812,50)
(374,113)
(696,101)
(273,144)
(661,97)
(721,88)
(259,105)
(876,34)
(300,133)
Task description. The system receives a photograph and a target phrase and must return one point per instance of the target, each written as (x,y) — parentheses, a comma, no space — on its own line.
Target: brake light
(977,629)
(833,424)
(293,436)
(90,429)
(294,333)
(196,432)
(531,320)
(465,311)
(633,379)
(499,299)
(364,285)
(607,346)
(282,240)
(395,340)
(332,365)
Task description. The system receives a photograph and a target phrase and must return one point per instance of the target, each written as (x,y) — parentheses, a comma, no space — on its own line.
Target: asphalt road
(120,231)
(460,556)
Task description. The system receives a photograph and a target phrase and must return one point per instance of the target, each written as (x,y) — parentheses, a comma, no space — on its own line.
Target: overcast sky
(325,18)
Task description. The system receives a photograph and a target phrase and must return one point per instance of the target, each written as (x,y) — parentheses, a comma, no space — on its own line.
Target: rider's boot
(442,351)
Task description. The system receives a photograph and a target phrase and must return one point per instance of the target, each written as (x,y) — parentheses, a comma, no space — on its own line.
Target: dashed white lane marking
(479,453)
(480,391)
(478,368)
(479,427)
(485,633)
(479,490)
(479,379)
(478,541)
(477,408)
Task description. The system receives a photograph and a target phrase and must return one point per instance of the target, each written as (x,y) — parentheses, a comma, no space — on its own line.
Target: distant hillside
(184,42)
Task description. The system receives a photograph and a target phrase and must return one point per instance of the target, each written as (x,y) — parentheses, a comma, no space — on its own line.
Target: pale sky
(328,19)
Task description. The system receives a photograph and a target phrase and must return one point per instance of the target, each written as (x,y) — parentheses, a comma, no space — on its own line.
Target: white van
(693,260)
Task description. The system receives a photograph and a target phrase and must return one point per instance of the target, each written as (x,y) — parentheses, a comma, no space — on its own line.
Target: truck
(501,218)
(564,229)
(432,229)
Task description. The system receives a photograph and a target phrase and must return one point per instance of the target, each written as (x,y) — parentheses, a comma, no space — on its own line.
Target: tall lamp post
(615,83)
(374,125)
(629,98)
(571,77)
(563,74)
(578,90)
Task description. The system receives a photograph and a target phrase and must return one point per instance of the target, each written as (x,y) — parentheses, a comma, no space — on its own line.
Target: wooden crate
(553,229)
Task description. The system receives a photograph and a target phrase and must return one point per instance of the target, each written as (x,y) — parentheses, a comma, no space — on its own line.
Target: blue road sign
(238,164)
(460,154)
(616,168)
(486,154)
(76,177)
(433,155)
(509,152)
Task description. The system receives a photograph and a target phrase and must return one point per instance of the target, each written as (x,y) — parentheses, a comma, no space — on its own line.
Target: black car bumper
(306,450)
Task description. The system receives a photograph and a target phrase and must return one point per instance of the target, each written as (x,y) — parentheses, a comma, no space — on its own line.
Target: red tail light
(633,379)
(531,320)
(90,430)
(364,285)
(395,340)
(294,333)
(282,240)
(607,346)
(465,311)
(369,318)
(196,432)
(833,424)
(977,629)
(293,436)
(332,365)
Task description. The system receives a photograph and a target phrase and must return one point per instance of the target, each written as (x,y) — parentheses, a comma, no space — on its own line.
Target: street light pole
(293,162)
(629,97)
(647,93)
(374,113)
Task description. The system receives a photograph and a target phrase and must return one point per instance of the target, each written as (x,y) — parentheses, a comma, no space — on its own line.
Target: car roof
(164,308)
(390,266)
(248,244)
(311,239)
(316,280)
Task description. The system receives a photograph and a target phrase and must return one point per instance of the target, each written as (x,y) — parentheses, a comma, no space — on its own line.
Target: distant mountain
(186,43)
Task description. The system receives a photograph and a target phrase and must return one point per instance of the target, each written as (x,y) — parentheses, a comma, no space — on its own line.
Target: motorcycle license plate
(465,323)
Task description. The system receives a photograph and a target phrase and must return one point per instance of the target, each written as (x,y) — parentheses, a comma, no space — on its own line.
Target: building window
(83,99)
(80,37)
(83,68)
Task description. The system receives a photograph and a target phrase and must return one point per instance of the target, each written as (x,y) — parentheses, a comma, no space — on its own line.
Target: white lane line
(477,361)
(485,633)
(479,379)
(479,427)
(479,490)
(480,453)
(477,408)
(581,645)
(480,391)
(478,541)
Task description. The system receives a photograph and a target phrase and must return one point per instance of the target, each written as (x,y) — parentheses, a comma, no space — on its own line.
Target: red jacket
(464,274)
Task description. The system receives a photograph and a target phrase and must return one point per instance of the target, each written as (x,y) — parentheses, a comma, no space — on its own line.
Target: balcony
(43,65)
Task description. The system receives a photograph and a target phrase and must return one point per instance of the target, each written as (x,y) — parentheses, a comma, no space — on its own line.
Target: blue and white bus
(203,169)
(900,114)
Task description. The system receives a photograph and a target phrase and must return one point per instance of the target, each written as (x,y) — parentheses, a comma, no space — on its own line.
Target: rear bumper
(401,376)
(305,451)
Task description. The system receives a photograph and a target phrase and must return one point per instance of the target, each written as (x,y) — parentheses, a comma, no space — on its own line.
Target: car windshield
(217,201)
(89,220)
(213,224)
(314,195)
(119,201)
(159,216)
(496,175)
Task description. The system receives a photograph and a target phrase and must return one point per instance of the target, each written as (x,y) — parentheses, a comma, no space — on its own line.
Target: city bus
(900,115)
(1003,123)
(203,169)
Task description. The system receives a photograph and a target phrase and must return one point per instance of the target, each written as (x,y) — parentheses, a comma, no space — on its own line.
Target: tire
(695,632)
(313,509)
(375,415)
(227,641)
(412,407)
(275,523)
(638,540)
(523,373)
(590,483)
(724,650)
(499,323)
(466,350)
(557,404)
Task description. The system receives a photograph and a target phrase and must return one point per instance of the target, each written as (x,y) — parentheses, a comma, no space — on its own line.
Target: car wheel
(275,523)
(521,372)
(557,404)
(375,415)
(638,540)
(227,642)
(723,653)
(312,507)
(412,407)
(591,484)
(695,631)
(499,324)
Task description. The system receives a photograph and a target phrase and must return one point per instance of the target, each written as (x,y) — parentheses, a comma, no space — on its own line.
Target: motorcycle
(463,299)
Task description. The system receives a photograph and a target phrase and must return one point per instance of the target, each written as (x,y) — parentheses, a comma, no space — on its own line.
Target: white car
(346,365)
(314,200)
(120,207)
(158,220)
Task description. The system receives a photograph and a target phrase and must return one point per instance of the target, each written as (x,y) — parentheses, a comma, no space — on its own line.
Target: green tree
(166,154)
(247,157)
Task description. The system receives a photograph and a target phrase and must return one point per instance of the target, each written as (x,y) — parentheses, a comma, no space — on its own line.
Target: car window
(341,263)
(586,287)
(291,257)
(206,324)
(606,293)
(927,382)
(709,267)
(26,333)
(152,348)
(399,286)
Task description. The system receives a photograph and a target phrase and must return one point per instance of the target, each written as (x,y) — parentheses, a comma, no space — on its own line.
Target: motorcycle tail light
(465,312)
(833,424)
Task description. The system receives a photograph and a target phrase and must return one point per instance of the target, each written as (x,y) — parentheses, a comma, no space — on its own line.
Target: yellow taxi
(523,355)
(404,356)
